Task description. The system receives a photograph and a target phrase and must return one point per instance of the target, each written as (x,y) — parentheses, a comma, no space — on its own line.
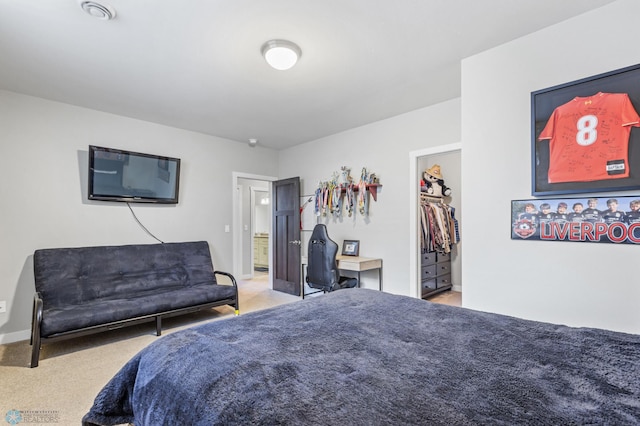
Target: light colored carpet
(72,372)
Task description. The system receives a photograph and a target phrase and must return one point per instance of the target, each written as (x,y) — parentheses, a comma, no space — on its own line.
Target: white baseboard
(457,288)
(16,336)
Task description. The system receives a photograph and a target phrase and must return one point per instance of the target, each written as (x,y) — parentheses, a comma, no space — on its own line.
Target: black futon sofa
(87,290)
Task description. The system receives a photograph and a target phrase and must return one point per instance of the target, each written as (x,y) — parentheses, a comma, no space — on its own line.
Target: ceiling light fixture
(97,10)
(281,54)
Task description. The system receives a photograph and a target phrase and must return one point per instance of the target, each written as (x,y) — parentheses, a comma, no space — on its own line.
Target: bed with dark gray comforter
(362,357)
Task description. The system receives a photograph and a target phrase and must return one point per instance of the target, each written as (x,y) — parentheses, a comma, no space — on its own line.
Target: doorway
(449,156)
(248,219)
(259,229)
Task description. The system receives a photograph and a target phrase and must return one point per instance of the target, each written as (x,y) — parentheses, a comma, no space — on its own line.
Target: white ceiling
(196,64)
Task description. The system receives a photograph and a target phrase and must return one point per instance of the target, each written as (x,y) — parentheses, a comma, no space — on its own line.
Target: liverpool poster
(594,220)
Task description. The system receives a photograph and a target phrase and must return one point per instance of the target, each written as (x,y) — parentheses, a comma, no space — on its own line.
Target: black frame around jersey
(545,101)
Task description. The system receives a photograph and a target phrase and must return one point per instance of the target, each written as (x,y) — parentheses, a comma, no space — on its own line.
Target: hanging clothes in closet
(439,227)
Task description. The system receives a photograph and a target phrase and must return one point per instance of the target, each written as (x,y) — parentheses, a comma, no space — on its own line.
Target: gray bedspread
(363,357)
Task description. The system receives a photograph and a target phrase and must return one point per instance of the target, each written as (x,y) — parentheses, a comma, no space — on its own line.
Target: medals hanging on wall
(332,195)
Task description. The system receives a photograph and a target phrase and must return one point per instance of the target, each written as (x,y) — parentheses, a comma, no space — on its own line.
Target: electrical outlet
(3,306)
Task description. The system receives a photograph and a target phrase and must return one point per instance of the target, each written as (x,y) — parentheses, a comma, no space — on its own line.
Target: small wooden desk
(359,264)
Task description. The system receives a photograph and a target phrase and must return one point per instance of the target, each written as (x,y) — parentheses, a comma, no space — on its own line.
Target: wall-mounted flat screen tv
(126,176)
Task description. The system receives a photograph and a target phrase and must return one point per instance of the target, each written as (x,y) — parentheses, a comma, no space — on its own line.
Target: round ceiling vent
(98,10)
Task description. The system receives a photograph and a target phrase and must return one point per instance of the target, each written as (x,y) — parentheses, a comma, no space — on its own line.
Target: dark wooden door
(286,235)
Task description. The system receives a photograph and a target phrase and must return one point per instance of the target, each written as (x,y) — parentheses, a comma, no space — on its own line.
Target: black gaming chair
(322,268)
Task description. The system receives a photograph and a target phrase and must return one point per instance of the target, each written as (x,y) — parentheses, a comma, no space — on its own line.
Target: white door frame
(236,223)
(414,190)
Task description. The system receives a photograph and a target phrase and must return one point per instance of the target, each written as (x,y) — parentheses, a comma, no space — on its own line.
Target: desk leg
(379,279)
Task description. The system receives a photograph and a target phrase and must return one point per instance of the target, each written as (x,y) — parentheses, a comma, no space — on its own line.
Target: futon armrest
(37,313)
(235,284)
(35,329)
(226,274)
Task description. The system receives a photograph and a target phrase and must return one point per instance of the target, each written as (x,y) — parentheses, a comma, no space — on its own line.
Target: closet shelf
(430,198)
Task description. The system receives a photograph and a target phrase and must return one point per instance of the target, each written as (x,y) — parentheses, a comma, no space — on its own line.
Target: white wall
(43,151)
(262,218)
(572,283)
(383,147)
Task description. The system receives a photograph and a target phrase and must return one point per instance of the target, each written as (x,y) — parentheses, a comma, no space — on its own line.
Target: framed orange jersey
(589,138)
(585,135)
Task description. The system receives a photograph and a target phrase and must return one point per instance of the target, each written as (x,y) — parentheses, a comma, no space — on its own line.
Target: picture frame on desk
(351,247)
